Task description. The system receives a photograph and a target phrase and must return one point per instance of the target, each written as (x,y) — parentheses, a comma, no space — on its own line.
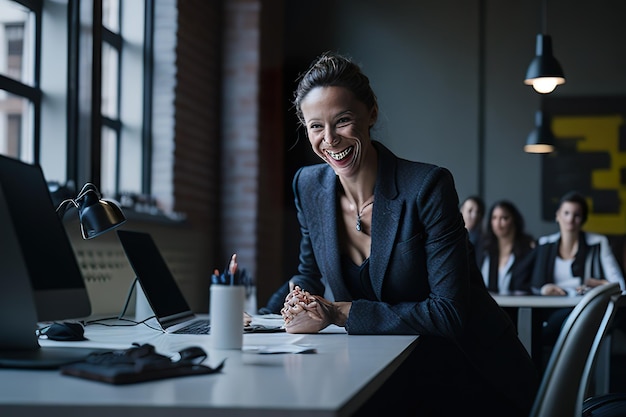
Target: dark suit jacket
(422,268)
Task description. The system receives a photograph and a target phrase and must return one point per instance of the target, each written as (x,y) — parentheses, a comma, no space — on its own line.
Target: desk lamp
(97,215)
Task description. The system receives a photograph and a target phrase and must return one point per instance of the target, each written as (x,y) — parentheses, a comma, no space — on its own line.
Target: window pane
(110,81)
(18,41)
(16,136)
(111,15)
(109,162)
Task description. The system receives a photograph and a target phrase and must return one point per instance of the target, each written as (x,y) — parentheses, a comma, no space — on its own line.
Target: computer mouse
(64,331)
(192,354)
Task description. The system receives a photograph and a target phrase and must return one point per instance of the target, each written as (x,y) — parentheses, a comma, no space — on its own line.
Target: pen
(232,269)
(215,278)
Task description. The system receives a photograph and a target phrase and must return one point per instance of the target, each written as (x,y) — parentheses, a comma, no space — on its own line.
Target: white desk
(335,381)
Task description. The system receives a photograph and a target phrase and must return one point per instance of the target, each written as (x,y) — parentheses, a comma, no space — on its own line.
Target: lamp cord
(544,17)
(126,303)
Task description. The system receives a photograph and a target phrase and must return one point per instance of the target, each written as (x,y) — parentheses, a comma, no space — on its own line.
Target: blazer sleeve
(309,277)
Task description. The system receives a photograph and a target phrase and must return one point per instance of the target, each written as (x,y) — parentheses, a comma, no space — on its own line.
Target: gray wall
(425,63)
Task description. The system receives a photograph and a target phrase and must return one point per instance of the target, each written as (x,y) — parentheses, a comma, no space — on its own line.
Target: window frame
(31,93)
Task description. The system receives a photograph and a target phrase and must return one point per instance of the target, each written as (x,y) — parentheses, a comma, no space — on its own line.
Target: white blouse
(563,276)
(504,275)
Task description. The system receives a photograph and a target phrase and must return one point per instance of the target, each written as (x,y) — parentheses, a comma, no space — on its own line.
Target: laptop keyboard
(203,327)
(195,327)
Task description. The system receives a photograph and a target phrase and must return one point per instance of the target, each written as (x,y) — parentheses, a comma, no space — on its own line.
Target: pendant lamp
(544,72)
(541,139)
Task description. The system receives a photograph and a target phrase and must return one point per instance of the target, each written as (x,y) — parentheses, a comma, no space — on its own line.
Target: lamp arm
(64,206)
(87,188)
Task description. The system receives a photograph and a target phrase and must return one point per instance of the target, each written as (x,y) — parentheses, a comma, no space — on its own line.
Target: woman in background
(473,211)
(506,247)
(571,261)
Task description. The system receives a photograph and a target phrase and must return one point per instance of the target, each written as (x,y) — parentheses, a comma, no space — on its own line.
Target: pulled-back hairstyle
(333,70)
(577,198)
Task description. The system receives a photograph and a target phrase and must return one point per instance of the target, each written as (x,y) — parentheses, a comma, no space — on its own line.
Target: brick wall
(228,153)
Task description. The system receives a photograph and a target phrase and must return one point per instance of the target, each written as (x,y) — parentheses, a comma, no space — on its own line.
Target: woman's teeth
(339,156)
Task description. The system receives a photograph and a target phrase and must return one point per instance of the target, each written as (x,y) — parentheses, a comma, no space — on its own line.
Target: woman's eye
(343,122)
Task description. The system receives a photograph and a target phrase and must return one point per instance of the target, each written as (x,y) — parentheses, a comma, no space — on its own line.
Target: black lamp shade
(98,215)
(541,139)
(544,66)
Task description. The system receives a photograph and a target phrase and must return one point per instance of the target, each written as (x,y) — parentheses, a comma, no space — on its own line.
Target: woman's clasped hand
(307,313)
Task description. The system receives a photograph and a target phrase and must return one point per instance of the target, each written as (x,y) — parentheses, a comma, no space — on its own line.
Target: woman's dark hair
(577,198)
(521,240)
(333,70)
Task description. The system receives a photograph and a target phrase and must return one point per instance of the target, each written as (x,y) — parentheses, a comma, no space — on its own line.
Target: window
(68,117)
(123,95)
(15,46)
(111,49)
(19,86)
(76,93)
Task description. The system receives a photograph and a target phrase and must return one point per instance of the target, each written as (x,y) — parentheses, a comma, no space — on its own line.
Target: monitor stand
(19,344)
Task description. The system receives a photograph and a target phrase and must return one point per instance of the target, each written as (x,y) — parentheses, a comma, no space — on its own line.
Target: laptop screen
(154,275)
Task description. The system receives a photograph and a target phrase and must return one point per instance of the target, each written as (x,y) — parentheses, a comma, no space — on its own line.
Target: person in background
(387,237)
(473,211)
(506,247)
(571,261)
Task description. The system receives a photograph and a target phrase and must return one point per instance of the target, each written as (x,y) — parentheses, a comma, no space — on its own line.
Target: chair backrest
(565,378)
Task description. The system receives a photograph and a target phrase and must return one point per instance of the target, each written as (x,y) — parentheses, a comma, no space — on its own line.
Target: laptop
(159,286)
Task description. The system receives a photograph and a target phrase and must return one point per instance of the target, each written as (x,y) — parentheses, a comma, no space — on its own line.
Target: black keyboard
(195,327)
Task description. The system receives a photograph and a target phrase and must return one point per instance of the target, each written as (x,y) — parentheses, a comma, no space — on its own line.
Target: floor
(618,353)
(618,373)
(618,358)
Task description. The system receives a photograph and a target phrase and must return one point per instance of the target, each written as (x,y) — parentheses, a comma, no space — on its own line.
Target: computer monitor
(39,276)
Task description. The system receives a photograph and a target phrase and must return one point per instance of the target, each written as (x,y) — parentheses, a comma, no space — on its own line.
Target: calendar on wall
(590,157)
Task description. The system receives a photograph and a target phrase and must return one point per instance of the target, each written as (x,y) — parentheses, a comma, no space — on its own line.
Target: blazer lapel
(385,218)
(386,214)
(329,260)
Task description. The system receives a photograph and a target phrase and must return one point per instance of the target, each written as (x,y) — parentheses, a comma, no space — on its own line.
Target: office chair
(607,404)
(565,380)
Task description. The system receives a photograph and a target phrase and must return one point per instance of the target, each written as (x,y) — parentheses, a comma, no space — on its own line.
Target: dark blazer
(520,275)
(594,259)
(422,268)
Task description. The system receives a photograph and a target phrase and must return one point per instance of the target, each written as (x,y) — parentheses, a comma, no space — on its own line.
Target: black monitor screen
(56,279)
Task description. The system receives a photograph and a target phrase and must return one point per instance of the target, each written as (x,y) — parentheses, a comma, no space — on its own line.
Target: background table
(335,381)
(529,330)
(525,305)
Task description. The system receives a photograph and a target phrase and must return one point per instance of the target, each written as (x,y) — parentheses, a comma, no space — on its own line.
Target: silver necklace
(358,217)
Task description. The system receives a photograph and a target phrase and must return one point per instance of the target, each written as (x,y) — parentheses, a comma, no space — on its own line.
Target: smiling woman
(386,236)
